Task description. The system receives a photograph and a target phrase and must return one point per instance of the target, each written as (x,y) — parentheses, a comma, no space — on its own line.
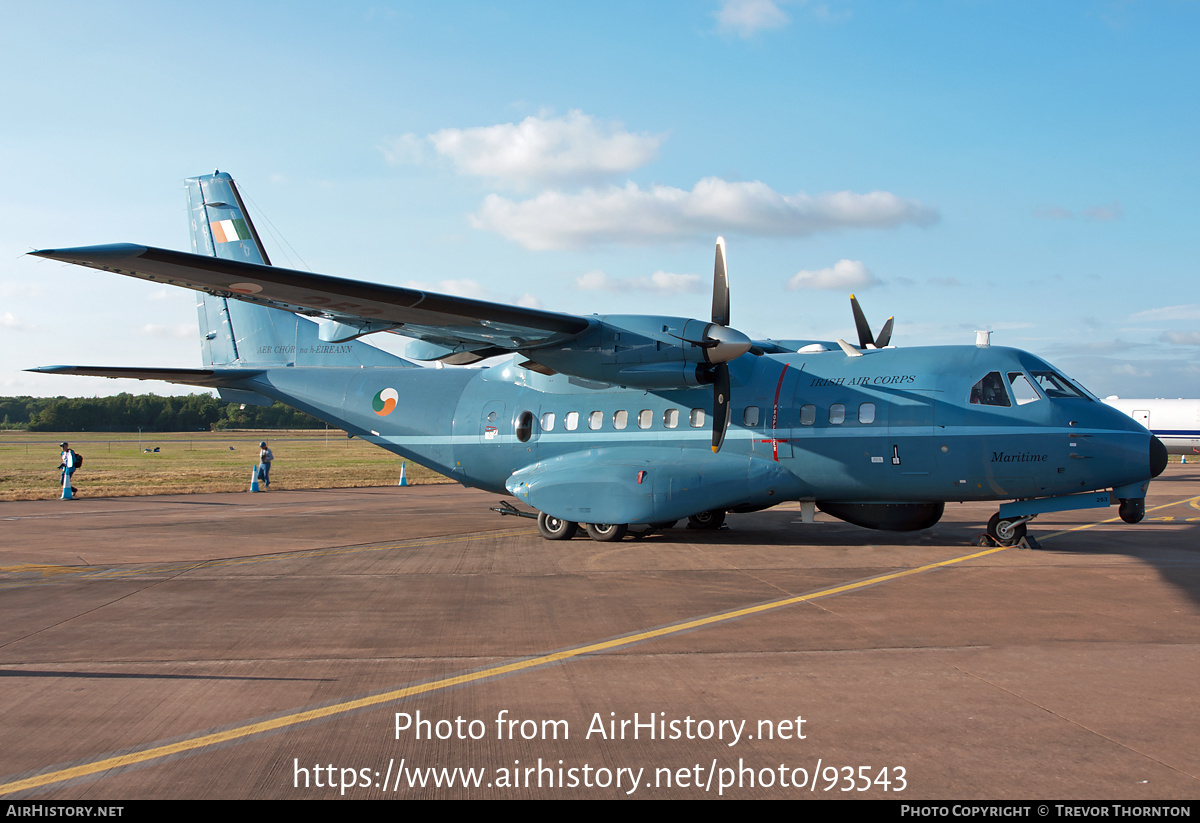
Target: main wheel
(552,528)
(606,532)
(707,520)
(1005,532)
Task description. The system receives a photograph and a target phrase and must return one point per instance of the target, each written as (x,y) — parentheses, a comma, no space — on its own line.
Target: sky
(1029,168)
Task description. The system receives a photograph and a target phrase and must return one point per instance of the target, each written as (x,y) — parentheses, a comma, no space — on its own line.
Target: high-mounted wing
(351,307)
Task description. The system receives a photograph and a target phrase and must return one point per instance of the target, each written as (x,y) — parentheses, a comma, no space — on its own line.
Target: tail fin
(236,333)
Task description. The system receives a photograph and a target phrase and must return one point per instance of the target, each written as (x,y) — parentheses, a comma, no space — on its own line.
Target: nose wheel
(1006,532)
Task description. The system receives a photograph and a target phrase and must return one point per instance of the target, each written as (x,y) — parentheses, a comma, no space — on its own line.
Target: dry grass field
(125,465)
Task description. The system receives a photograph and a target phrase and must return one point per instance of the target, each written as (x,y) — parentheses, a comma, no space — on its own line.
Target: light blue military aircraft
(611,421)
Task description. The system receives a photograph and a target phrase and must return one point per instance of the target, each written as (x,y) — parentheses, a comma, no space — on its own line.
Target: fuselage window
(837,413)
(645,419)
(572,421)
(595,420)
(1055,385)
(866,413)
(808,414)
(696,418)
(990,391)
(548,422)
(524,426)
(620,419)
(750,417)
(1022,389)
(671,418)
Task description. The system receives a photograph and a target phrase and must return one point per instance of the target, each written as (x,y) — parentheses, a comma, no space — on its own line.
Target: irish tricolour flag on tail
(226,231)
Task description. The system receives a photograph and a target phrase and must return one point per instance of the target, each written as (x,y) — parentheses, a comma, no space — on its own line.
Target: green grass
(124,465)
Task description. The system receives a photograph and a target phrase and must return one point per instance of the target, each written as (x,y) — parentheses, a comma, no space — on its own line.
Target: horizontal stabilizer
(213,378)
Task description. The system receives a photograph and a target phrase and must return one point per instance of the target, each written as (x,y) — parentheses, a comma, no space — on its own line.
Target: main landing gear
(553,528)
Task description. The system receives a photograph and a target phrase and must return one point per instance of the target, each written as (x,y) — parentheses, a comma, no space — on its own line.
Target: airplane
(1175,422)
(613,421)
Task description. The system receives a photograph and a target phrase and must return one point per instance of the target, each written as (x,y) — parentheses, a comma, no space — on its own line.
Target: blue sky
(1029,168)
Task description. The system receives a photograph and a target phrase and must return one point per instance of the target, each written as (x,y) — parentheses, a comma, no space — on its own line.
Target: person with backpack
(67,465)
(264,464)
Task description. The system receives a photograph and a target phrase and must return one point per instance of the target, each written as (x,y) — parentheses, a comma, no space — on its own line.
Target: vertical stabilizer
(237,333)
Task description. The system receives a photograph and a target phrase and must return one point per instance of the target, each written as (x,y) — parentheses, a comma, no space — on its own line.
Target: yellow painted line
(250,729)
(1190,501)
(297,718)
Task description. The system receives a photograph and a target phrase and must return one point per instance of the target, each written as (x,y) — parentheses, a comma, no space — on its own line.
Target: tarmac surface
(270,645)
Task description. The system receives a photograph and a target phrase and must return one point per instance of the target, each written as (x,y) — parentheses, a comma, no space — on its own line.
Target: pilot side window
(696,418)
(808,414)
(671,418)
(548,422)
(866,413)
(645,419)
(620,419)
(990,391)
(595,420)
(1022,389)
(750,417)
(837,413)
(572,421)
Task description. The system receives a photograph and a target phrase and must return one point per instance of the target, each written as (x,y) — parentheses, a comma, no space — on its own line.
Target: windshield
(1054,385)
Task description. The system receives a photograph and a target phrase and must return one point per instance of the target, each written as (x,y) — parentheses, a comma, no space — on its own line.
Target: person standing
(67,466)
(264,462)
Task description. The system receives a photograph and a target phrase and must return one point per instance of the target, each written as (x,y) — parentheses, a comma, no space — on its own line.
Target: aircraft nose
(1158,456)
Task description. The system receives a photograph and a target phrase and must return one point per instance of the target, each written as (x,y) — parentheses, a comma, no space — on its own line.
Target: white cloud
(844,274)
(21,290)
(537,151)
(661,283)
(464,287)
(1190,311)
(554,220)
(184,331)
(1054,213)
(8,320)
(1130,370)
(1182,338)
(1104,214)
(746,17)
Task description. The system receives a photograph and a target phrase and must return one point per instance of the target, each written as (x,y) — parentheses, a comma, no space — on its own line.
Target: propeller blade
(720,405)
(720,303)
(865,338)
(885,336)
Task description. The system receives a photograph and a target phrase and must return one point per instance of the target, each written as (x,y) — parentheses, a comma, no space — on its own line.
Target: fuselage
(904,425)
(1176,422)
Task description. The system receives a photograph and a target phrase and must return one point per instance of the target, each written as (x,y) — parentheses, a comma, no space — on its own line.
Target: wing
(448,325)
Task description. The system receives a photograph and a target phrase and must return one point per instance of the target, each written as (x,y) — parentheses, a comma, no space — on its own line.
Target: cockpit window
(1022,389)
(990,391)
(1055,385)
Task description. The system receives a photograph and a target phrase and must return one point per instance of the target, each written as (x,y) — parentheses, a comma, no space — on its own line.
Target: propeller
(865,339)
(721,344)
(725,344)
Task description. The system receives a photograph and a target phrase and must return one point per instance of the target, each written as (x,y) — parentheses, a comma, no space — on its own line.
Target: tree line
(146,412)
